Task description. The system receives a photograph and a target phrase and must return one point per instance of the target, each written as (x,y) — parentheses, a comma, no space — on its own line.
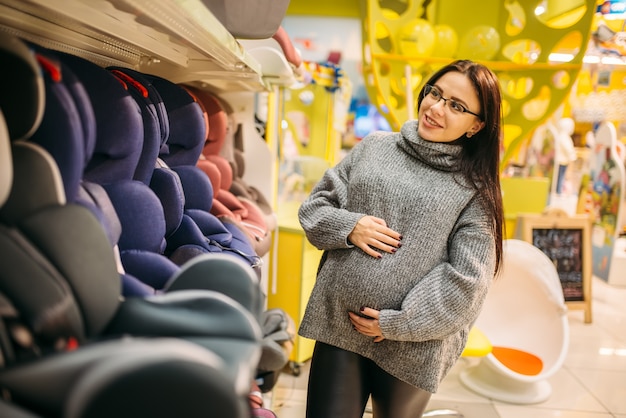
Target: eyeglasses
(433,93)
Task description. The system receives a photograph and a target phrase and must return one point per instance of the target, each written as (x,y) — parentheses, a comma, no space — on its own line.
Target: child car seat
(60,250)
(226,205)
(181,115)
(135,245)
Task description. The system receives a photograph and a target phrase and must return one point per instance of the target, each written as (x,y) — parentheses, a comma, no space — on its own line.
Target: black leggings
(341,382)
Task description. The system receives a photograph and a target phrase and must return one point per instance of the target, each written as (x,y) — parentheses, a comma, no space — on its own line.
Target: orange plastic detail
(72,344)
(52,68)
(518,361)
(133,82)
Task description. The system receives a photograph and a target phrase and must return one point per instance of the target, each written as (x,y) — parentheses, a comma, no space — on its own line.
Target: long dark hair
(480,158)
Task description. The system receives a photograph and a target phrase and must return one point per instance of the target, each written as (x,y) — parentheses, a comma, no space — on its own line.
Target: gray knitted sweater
(431,290)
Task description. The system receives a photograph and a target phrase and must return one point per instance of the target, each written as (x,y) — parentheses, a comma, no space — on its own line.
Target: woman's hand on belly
(371,233)
(366,322)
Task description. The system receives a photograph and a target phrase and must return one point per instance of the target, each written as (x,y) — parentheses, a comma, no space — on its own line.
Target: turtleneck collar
(440,155)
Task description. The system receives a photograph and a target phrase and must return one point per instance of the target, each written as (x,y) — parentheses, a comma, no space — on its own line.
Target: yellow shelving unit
(309,122)
(296,267)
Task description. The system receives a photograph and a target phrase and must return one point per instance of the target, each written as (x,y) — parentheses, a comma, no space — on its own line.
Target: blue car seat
(246,215)
(177,155)
(158,272)
(70,137)
(113,166)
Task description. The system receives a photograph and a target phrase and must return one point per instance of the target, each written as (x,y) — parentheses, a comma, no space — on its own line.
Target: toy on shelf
(606,191)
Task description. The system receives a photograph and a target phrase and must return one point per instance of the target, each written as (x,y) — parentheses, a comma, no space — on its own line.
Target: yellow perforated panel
(404,42)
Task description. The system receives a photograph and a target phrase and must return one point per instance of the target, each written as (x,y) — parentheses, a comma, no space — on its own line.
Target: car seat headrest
(119,126)
(51,63)
(187,124)
(36,183)
(23,98)
(63,127)
(155,120)
(205,116)
(218,121)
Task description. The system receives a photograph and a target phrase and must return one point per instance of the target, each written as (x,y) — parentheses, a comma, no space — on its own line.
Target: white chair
(525,319)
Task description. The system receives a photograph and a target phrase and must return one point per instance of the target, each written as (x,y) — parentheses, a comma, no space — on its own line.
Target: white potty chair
(525,319)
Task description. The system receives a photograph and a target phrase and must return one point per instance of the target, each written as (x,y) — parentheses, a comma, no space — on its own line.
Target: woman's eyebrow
(456,99)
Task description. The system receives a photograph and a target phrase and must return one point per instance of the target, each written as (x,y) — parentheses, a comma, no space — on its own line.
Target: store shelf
(274,66)
(180,40)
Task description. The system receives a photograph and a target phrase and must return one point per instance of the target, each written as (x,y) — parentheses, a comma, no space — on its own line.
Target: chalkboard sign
(563,247)
(566,241)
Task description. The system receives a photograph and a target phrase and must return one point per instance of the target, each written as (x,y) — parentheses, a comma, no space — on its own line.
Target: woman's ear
(476,127)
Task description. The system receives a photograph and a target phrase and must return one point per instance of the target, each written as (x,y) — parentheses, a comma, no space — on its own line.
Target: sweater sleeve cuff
(393,325)
(348,226)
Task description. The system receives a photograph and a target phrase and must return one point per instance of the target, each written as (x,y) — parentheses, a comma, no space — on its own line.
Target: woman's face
(441,115)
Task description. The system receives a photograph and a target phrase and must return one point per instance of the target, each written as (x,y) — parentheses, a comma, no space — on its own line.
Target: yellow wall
(335,8)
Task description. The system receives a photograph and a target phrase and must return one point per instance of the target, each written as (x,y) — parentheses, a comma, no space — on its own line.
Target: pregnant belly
(372,283)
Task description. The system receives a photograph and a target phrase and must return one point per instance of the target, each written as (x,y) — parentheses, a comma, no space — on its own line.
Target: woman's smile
(432,122)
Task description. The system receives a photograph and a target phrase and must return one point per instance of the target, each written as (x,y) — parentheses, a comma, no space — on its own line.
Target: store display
(606,189)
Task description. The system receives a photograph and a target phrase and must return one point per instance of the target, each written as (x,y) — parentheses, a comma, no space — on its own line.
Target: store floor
(591,383)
